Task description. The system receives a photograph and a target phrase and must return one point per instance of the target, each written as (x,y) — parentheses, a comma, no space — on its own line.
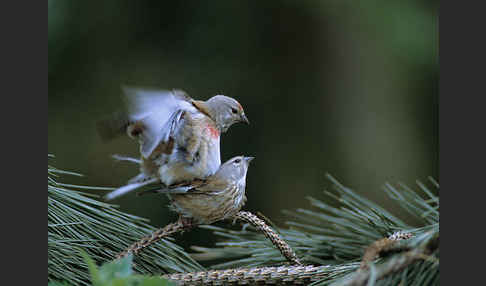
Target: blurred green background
(348,88)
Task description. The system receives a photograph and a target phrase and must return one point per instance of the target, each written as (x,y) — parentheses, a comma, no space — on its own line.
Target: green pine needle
(337,237)
(334,231)
(77,220)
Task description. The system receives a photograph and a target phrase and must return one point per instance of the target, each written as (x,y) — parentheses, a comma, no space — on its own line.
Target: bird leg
(282,246)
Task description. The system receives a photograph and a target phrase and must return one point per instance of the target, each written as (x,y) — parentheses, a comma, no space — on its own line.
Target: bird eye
(234,110)
(237,161)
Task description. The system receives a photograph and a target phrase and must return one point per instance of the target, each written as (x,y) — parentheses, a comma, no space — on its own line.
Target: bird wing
(182,188)
(128,188)
(211,185)
(158,111)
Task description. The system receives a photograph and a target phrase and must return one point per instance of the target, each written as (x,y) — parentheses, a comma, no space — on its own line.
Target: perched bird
(219,196)
(179,137)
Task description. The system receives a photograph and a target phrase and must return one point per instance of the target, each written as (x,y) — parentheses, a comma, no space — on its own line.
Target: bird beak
(245,119)
(248,159)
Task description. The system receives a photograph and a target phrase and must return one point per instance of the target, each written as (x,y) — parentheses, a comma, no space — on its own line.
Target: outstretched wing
(155,112)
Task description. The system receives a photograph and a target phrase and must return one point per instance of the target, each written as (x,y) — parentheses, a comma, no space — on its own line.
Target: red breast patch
(213,131)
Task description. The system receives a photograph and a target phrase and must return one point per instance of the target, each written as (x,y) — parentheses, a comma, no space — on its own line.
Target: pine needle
(78,220)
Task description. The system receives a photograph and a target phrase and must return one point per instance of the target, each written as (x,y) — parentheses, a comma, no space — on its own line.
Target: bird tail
(113,126)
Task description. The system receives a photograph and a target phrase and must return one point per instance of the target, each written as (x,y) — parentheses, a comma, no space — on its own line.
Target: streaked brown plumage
(217,197)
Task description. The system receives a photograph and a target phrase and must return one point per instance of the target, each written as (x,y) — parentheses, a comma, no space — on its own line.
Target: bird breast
(207,208)
(174,167)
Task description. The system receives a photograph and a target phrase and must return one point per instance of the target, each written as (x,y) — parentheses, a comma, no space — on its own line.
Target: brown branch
(156,235)
(288,275)
(180,225)
(396,264)
(282,275)
(282,246)
(382,246)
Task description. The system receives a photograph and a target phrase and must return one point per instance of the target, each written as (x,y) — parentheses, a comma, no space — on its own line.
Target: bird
(179,136)
(217,197)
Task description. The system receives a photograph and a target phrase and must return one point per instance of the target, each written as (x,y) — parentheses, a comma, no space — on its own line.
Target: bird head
(226,111)
(235,168)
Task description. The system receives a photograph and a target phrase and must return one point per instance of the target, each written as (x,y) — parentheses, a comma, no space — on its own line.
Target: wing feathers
(160,111)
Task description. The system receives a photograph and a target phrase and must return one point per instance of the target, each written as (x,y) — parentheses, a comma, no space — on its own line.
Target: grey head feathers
(235,168)
(225,111)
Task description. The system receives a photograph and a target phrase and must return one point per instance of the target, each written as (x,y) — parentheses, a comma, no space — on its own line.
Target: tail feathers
(113,126)
(128,188)
(140,178)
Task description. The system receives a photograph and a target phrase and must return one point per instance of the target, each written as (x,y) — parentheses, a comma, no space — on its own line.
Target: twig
(282,275)
(282,246)
(382,245)
(398,263)
(172,228)
(156,235)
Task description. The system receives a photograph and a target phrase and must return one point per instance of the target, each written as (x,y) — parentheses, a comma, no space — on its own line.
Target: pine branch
(282,275)
(157,235)
(179,226)
(281,245)
(427,247)
(77,220)
(330,240)
(382,246)
(337,237)
(424,247)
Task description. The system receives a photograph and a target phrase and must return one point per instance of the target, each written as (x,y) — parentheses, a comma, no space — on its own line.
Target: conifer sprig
(337,236)
(76,220)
